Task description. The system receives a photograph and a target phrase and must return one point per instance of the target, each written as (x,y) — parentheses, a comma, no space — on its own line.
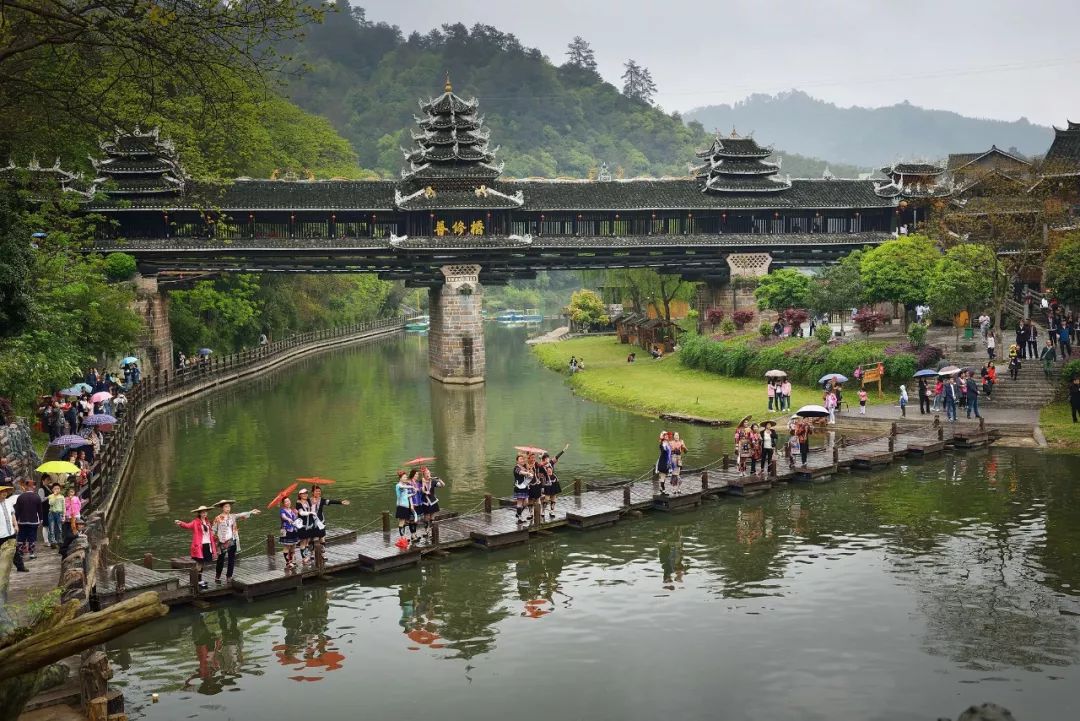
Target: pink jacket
(72,507)
(195,525)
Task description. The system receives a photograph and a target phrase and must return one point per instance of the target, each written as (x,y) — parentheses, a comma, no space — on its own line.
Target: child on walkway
(862,401)
(72,509)
(903,400)
(55,519)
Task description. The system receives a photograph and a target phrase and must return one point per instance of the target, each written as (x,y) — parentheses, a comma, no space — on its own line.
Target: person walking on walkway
(1014,367)
(949,395)
(1065,340)
(785,394)
(939,389)
(862,401)
(903,400)
(991,346)
(29,513)
(290,531)
(203,545)
(55,504)
(984,324)
(1048,356)
(319,504)
(743,446)
(768,445)
(972,395)
(1032,341)
(227,536)
(1074,398)
(830,405)
(9,526)
(522,479)
(924,397)
(802,434)
(770,391)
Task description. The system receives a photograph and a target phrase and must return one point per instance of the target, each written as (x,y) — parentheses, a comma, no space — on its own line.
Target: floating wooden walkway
(496,526)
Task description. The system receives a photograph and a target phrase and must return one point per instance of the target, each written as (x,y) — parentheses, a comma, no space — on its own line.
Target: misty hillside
(868,136)
(549,119)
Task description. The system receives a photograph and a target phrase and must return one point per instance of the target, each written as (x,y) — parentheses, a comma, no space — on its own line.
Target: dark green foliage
(1070,370)
(805,362)
(119,267)
(16,260)
(1062,274)
(783,288)
(823,334)
(917,334)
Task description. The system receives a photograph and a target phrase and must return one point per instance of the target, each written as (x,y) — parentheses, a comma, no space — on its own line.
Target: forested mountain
(550,119)
(869,136)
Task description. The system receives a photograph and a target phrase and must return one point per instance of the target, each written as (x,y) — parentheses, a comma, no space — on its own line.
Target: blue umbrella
(76,389)
(69,440)
(129,359)
(926,373)
(99,419)
(833,377)
(205,351)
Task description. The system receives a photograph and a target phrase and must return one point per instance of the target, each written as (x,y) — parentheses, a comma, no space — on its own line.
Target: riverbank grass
(659,386)
(1056,423)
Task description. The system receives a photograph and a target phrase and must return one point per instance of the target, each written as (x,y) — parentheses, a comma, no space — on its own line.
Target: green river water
(904,594)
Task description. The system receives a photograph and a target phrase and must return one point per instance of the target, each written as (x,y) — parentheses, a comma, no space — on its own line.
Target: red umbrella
(418,460)
(282,495)
(316,481)
(530,449)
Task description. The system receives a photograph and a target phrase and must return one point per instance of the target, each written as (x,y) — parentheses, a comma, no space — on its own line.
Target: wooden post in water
(892,429)
(193,578)
(536,515)
(319,558)
(487,503)
(940,433)
(704,480)
(835,454)
(148,560)
(577,486)
(626,496)
(120,576)
(892,443)
(725,462)
(386,523)
(982,424)
(271,548)
(435,534)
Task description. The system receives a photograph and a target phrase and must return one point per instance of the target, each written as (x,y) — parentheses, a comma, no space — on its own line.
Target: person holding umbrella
(203,544)
(306,510)
(290,531)
(522,480)
(663,462)
(227,536)
(428,484)
(802,435)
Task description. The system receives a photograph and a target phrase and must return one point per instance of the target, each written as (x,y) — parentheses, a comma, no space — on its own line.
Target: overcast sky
(987,58)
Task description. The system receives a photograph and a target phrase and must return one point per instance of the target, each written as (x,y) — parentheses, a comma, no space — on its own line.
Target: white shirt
(7,526)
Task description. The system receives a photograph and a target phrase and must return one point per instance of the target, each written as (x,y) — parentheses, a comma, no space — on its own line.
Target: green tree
(587,309)
(898,270)
(961,279)
(1061,270)
(838,288)
(783,288)
(16,259)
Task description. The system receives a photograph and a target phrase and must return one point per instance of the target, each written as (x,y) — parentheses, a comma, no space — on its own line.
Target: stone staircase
(1030,390)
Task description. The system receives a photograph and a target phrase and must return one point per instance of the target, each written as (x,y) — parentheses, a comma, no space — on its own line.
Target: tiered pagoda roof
(140,166)
(914,180)
(451,165)
(1063,157)
(734,164)
(43,182)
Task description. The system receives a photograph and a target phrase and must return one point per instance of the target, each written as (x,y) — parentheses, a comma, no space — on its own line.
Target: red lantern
(292,217)
(333,217)
(251,217)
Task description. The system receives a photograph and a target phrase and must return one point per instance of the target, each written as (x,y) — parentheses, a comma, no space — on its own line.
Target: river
(904,594)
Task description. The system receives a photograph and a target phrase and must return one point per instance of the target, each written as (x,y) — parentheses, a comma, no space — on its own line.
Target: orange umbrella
(422,637)
(418,460)
(316,481)
(282,495)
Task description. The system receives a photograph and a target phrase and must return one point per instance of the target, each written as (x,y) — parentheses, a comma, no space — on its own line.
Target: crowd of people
(536,485)
(27,512)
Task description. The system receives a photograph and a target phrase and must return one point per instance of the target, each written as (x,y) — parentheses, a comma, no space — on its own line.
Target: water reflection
(459,427)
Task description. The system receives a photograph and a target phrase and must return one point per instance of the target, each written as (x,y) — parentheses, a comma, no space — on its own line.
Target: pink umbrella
(100,396)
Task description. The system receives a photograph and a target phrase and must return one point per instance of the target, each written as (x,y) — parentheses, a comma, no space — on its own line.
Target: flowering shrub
(765,331)
(795,317)
(713,316)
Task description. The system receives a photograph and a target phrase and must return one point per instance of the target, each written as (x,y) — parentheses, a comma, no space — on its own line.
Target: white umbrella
(776,374)
(948,371)
(812,412)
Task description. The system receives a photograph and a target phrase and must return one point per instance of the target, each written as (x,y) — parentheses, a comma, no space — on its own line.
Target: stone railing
(168,386)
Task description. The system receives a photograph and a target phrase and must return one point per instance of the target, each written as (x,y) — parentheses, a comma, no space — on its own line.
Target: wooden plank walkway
(260,574)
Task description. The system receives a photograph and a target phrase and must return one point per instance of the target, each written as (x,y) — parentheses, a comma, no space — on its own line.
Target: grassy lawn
(653,387)
(1057,425)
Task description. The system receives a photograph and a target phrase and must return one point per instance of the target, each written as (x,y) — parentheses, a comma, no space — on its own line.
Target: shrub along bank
(805,360)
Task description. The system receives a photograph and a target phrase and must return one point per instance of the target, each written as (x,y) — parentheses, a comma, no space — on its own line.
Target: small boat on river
(519,317)
(418,324)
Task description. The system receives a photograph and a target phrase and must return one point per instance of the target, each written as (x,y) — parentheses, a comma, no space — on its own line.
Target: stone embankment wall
(17,449)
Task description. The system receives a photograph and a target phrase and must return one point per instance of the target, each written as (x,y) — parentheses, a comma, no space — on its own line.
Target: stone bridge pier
(456,331)
(155,347)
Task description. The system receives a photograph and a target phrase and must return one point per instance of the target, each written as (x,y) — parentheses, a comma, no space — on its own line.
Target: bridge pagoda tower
(451,174)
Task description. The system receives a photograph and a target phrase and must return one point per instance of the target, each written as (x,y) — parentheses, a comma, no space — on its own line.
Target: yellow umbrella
(57,467)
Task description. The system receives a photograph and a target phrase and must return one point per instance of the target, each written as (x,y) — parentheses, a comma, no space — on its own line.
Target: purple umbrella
(69,440)
(99,419)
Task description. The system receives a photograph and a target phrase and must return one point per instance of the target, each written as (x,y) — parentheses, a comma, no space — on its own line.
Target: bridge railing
(109,463)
